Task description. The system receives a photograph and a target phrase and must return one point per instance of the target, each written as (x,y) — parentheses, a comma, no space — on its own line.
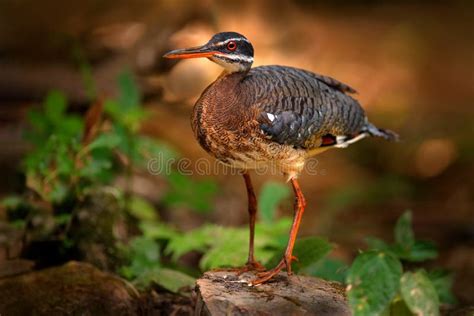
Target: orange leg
(300,205)
(251,264)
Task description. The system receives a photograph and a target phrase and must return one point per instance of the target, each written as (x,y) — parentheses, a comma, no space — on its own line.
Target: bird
(279,116)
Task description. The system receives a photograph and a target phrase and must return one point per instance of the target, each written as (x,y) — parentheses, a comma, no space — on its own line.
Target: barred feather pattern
(277,113)
(299,107)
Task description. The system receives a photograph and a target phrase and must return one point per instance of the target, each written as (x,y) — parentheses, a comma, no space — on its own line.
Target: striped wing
(303,109)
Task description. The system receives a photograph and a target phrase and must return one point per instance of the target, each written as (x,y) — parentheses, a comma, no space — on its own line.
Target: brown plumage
(272,115)
(287,113)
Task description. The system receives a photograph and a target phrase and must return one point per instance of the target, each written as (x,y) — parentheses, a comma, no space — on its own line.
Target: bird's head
(231,50)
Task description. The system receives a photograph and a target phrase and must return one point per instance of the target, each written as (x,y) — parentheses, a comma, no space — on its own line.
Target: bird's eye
(231,46)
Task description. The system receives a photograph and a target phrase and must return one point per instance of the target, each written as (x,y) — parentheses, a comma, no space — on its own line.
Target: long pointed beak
(193,52)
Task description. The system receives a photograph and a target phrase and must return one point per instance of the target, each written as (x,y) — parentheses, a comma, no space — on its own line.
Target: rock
(14,267)
(72,289)
(224,293)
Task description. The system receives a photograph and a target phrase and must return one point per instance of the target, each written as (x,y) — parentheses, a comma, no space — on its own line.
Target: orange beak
(193,52)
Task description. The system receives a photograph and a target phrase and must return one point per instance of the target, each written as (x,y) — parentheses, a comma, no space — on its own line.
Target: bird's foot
(267,275)
(251,265)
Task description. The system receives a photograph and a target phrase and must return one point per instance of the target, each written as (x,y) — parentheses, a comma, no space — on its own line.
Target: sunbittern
(276,115)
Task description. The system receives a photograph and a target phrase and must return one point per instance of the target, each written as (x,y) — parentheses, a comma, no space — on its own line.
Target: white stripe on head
(244,58)
(229,65)
(236,39)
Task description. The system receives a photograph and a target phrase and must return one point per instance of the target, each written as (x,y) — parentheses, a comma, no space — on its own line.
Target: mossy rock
(72,289)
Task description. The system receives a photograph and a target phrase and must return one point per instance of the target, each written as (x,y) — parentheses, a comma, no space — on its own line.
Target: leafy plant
(271,195)
(369,297)
(223,246)
(419,293)
(73,158)
(377,284)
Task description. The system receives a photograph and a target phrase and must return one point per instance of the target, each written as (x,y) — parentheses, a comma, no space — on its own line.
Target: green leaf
(403,231)
(87,75)
(156,155)
(308,250)
(373,280)
(420,251)
(145,255)
(271,195)
(423,250)
(442,280)
(274,238)
(40,124)
(171,280)
(342,197)
(174,280)
(406,247)
(64,160)
(129,93)
(62,219)
(419,293)
(328,269)
(156,230)
(142,209)
(376,244)
(225,246)
(11,202)
(196,240)
(184,191)
(53,121)
(55,106)
(128,118)
(105,140)
(98,167)
(59,193)
(112,108)
(69,126)
(230,251)
(398,308)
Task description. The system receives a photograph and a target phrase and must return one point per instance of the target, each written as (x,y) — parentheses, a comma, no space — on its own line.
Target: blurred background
(411,63)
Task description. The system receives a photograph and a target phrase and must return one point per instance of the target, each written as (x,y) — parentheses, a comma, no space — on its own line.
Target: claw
(265,276)
(250,266)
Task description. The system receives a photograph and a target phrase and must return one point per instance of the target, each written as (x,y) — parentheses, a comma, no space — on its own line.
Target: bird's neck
(227,72)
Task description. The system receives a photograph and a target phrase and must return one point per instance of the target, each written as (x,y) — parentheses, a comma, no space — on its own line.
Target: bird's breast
(227,127)
(222,123)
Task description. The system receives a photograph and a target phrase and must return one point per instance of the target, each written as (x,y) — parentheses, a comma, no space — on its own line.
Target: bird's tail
(387,134)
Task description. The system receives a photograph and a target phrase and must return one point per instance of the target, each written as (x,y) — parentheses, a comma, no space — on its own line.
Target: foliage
(221,246)
(186,192)
(145,267)
(74,157)
(329,269)
(419,293)
(405,246)
(442,280)
(271,194)
(374,279)
(378,286)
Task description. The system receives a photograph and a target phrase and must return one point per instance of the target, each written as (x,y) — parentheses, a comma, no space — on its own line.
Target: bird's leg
(300,205)
(251,264)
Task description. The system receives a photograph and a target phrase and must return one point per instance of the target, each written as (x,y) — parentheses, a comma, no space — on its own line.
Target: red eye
(231,46)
